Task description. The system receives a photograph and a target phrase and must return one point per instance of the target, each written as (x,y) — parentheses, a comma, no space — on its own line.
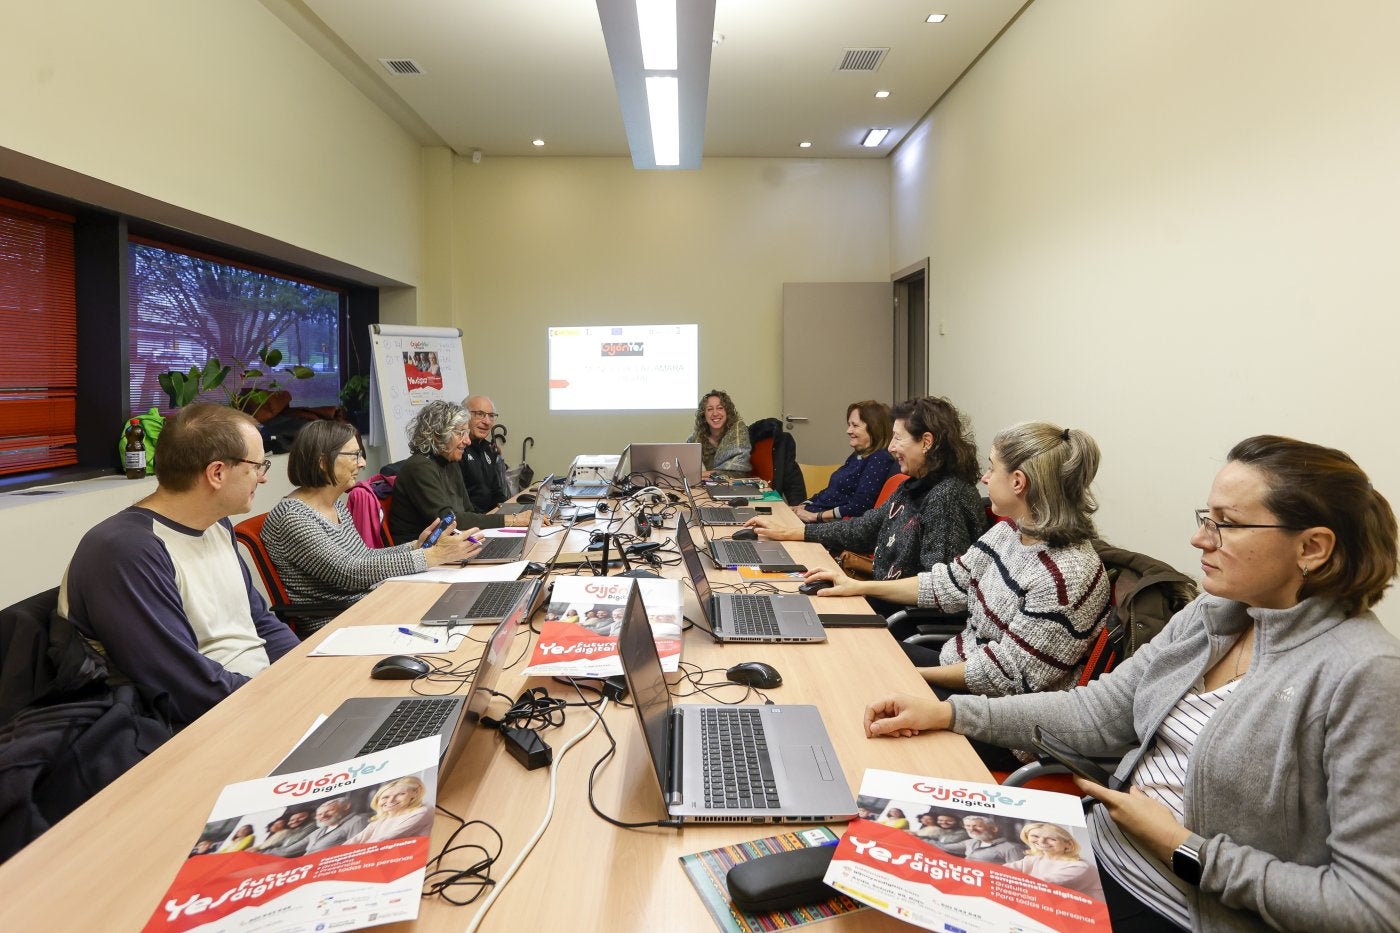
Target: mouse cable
(441,880)
(598,766)
(544,824)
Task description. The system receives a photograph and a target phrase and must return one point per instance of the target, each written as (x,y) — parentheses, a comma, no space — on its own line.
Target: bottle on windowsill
(135,455)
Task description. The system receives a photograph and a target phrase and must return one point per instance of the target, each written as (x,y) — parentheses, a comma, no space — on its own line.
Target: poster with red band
(578,637)
(341,847)
(973,857)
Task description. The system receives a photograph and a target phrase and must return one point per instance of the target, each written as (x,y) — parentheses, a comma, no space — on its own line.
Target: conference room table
(108,865)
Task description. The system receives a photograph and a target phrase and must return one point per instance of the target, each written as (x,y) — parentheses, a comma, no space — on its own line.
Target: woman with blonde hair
(1053,855)
(399,811)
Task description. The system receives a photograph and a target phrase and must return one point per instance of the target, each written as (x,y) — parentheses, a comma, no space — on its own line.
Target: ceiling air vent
(862,59)
(402,66)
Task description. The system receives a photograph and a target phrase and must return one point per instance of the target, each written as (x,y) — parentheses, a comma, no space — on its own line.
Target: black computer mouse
(745,534)
(755,674)
(525,498)
(812,587)
(400,667)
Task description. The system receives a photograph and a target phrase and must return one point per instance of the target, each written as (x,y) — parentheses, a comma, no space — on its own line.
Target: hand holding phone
(447,519)
(1050,745)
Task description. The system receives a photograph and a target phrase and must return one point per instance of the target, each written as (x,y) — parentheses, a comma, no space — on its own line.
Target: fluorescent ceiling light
(663,103)
(537,142)
(804,145)
(936,17)
(874,138)
(881,95)
(656,21)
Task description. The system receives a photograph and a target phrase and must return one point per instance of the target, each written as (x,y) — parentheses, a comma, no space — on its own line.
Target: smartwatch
(1186,860)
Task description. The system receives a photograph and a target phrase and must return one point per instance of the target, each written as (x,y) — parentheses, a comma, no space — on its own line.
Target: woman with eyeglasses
(312,540)
(431,479)
(1258,728)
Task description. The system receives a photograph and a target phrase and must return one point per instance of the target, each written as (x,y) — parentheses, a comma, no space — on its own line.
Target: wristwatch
(1186,860)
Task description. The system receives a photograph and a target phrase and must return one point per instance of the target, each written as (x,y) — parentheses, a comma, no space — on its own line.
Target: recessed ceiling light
(805,144)
(874,138)
(881,95)
(539,142)
(936,17)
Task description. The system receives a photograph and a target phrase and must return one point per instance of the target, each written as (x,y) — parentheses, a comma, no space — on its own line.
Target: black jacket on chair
(787,475)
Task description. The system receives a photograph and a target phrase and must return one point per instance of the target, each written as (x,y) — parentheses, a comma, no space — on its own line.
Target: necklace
(1238,654)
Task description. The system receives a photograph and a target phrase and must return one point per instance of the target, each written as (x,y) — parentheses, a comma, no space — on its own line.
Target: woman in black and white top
(310,536)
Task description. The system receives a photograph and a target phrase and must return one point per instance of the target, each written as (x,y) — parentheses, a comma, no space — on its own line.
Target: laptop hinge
(675,772)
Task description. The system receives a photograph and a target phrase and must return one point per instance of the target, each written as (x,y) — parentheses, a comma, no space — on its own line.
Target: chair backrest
(890,486)
(761,457)
(817,477)
(249,534)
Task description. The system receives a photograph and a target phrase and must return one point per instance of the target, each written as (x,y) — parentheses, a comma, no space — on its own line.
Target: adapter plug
(615,688)
(526,746)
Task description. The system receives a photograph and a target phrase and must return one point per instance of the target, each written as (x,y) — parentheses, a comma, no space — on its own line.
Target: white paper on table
(384,640)
(487,573)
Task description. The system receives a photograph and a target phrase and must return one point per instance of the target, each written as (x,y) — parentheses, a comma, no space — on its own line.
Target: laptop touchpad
(805,762)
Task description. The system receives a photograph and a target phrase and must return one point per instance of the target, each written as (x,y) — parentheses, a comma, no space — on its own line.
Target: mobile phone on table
(447,519)
(1052,746)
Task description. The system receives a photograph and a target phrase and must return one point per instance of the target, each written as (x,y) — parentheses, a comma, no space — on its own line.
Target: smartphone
(447,519)
(763,509)
(1050,745)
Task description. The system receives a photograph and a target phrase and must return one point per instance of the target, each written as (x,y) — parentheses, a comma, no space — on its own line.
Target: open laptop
(748,616)
(477,603)
(362,725)
(666,461)
(502,549)
(730,764)
(716,514)
(747,553)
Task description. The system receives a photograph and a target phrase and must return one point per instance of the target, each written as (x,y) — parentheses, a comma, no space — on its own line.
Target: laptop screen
(693,565)
(641,665)
(488,671)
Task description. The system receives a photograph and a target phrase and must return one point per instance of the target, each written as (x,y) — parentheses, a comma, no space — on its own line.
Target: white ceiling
(501,73)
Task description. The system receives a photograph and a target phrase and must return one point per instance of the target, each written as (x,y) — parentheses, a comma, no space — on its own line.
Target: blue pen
(409,631)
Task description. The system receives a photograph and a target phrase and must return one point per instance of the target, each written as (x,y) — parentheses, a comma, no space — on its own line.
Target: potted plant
(252,391)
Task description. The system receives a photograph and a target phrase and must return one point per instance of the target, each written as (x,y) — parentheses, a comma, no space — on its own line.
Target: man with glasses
(160,585)
(483,470)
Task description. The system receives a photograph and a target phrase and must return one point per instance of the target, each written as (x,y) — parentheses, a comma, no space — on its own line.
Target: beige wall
(591,241)
(1174,227)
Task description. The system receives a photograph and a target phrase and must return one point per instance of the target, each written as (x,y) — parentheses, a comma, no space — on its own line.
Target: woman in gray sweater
(1257,728)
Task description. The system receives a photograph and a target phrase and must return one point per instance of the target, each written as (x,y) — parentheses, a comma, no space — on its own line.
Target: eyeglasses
(489,415)
(1212,527)
(262,465)
(357,454)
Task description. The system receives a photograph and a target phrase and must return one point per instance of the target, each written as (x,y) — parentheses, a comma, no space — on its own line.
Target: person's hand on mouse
(773,528)
(841,585)
(454,547)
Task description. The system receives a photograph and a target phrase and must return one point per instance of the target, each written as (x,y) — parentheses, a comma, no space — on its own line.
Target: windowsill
(55,485)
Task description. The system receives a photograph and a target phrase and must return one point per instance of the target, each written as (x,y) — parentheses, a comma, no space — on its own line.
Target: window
(186,307)
(38,339)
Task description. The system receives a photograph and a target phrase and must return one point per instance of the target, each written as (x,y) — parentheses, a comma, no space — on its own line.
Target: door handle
(793,418)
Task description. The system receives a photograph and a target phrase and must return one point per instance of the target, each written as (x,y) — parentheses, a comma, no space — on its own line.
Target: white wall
(1173,226)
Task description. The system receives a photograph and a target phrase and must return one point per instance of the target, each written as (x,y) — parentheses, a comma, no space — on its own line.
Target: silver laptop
(479,603)
(362,725)
(716,514)
(747,553)
(666,461)
(730,764)
(748,616)
(502,549)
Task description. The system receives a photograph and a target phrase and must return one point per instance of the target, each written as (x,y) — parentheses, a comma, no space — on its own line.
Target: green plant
(184,388)
(355,393)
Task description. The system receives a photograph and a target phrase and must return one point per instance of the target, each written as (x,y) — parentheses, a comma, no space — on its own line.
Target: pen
(513,531)
(409,631)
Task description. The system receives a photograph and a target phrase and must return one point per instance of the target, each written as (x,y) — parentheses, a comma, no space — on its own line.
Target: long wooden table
(107,865)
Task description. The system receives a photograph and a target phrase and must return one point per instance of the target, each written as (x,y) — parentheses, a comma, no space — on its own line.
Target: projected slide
(640,367)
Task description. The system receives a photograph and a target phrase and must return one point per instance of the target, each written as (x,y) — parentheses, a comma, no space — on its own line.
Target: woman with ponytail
(1033,586)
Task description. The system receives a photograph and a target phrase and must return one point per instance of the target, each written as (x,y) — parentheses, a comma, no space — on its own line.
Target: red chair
(249,534)
(890,486)
(761,460)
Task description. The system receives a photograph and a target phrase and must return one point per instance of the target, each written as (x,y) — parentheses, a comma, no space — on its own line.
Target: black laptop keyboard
(496,599)
(411,720)
(497,548)
(738,770)
(740,552)
(751,615)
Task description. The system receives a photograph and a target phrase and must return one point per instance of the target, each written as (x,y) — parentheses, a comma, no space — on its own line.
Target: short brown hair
(876,418)
(311,463)
(954,451)
(197,435)
(1310,486)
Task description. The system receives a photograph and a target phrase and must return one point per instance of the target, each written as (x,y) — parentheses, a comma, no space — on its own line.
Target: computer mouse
(525,498)
(755,674)
(745,534)
(812,587)
(399,667)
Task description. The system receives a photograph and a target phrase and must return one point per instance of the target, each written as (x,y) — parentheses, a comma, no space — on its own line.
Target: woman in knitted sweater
(723,437)
(313,542)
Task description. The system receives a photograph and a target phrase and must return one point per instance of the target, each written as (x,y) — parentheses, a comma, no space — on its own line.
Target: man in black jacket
(482,468)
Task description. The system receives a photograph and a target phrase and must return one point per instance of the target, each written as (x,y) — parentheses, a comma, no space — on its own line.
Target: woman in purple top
(855,486)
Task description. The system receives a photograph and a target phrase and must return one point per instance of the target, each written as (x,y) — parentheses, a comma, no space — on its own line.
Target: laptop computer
(747,553)
(666,461)
(757,617)
(716,514)
(478,603)
(730,764)
(502,549)
(362,725)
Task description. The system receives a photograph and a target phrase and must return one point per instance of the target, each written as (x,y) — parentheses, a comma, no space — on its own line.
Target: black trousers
(1130,915)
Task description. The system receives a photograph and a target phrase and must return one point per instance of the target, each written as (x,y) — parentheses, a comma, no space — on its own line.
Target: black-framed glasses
(490,415)
(1212,527)
(262,465)
(357,454)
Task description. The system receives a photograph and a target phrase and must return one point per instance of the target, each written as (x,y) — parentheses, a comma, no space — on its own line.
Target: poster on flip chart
(409,367)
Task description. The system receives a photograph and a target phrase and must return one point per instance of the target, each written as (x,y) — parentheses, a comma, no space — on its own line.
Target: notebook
(788,771)
(716,514)
(503,549)
(479,603)
(661,461)
(748,616)
(364,724)
(746,553)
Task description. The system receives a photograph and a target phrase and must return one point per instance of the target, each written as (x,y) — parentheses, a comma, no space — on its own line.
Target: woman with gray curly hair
(431,479)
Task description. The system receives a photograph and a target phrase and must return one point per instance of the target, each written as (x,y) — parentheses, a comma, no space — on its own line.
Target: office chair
(249,534)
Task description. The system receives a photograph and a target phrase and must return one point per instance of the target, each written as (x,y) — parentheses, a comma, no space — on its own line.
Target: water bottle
(135,450)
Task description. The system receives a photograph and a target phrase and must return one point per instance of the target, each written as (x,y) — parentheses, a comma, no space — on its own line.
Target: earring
(1306,570)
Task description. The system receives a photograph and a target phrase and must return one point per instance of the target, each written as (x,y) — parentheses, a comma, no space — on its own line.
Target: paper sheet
(487,573)
(372,640)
